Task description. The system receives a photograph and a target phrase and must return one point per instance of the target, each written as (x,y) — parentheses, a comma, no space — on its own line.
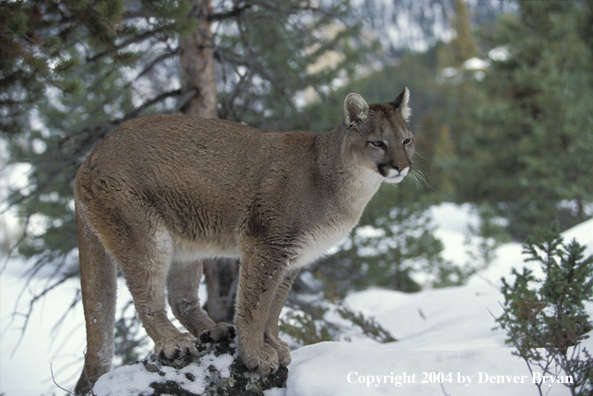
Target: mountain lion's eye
(377,143)
(407,141)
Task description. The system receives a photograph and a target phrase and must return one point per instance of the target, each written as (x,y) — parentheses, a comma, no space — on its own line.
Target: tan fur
(162,192)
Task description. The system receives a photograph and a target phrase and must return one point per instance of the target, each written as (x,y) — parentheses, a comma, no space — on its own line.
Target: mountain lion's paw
(263,361)
(281,348)
(222,331)
(283,352)
(175,348)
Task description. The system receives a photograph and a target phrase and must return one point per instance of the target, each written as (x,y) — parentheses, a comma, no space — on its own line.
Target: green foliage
(299,47)
(527,149)
(545,319)
(34,39)
(305,327)
(463,46)
(308,323)
(456,92)
(491,233)
(49,195)
(90,88)
(416,71)
(369,327)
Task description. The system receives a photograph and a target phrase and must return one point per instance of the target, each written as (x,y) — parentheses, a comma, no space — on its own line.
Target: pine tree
(529,152)
(136,58)
(545,319)
(417,24)
(34,39)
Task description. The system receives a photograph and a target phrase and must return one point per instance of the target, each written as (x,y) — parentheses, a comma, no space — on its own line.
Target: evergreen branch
(133,40)
(129,84)
(135,113)
(514,340)
(93,135)
(267,6)
(235,12)
(258,69)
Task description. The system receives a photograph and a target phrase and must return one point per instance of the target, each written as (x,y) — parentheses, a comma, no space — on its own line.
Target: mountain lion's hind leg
(183,282)
(98,276)
(271,336)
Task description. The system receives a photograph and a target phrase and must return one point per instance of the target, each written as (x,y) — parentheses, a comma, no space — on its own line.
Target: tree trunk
(198,87)
(196,66)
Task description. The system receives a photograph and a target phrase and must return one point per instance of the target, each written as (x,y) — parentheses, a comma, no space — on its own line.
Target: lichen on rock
(216,370)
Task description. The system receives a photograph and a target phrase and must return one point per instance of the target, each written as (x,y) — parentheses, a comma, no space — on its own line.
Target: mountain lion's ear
(356,110)
(401,103)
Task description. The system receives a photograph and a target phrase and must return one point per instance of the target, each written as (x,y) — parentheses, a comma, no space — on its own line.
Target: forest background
(501,94)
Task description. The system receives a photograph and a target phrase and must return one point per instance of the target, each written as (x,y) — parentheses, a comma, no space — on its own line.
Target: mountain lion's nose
(400,167)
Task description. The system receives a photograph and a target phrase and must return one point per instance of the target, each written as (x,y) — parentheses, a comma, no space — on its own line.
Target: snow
(499,54)
(355,369)
(475,64)
(444,335)
(130,379)
(134,379)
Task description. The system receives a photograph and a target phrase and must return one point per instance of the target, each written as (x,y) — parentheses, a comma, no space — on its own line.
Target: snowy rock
(216,370)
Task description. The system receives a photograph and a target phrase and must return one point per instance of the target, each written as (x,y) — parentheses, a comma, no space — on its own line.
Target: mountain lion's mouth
(394,176)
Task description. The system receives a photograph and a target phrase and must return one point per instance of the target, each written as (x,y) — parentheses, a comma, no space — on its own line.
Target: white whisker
(420,179)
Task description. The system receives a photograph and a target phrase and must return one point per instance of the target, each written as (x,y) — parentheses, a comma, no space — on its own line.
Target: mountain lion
(163,192)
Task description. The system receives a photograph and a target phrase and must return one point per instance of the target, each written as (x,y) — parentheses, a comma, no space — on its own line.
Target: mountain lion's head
(378,136)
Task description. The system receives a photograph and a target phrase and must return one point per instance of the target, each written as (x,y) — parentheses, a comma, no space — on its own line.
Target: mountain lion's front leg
(259,279)
(144,262)
(271,336)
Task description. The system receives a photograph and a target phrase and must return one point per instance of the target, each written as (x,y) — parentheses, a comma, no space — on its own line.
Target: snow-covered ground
(446,343)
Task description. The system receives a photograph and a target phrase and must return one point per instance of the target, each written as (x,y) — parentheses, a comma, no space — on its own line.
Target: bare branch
(516,344)
(32,302)
(443,390)
(55,382)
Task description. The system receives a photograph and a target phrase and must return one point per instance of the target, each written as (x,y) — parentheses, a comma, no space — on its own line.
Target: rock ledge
(215,371)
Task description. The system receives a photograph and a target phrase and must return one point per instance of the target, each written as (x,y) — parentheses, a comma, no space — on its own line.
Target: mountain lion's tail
(99,287)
